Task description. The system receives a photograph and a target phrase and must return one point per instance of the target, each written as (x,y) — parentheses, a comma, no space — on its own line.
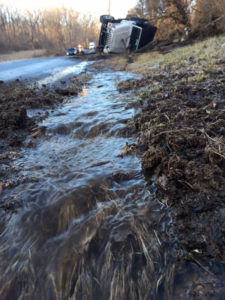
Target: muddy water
(89,227)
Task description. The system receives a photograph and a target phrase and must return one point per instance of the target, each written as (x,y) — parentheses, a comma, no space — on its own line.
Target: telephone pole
(109,7)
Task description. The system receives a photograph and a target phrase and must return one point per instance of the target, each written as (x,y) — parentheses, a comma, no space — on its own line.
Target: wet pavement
(49,69)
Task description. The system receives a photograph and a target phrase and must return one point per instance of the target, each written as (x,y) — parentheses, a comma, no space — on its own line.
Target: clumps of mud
(75,86)
(181,137)
(16,98)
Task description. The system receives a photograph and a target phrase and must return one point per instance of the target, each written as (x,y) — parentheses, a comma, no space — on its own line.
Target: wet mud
(17,98)
(181,138)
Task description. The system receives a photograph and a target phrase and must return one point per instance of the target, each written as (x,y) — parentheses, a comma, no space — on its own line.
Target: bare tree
(209,17)
(180,17)
(54,29)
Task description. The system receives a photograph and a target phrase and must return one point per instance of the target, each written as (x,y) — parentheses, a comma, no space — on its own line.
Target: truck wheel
(106,18)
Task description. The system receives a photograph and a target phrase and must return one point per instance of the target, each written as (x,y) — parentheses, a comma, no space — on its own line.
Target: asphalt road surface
(46,70)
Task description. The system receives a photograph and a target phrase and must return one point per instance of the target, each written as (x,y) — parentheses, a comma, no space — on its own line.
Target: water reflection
(84,92)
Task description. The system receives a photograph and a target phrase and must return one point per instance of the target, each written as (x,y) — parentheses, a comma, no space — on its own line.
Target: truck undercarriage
(118,36)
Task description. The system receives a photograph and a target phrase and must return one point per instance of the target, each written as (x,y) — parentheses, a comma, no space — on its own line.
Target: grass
(16,55)
(206,52)
(199,77)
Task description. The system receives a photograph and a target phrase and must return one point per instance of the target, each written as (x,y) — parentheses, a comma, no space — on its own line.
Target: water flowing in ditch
(89,227)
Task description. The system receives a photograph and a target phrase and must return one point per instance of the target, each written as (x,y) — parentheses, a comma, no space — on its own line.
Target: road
(46,69)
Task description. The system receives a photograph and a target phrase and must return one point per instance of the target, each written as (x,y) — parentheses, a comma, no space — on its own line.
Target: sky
(119,8)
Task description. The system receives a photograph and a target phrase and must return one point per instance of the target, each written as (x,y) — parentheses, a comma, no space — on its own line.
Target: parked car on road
(79,50)
(71,51)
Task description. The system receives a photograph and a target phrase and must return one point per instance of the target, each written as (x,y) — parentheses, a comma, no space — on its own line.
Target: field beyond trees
(23,54)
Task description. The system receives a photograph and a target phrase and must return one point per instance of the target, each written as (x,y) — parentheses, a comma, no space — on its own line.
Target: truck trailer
(118,36)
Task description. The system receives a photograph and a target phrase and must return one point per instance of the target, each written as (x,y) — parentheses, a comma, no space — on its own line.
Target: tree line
(193,17)
(54,29)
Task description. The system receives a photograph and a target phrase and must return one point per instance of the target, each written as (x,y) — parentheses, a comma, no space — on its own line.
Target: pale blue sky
(119,8)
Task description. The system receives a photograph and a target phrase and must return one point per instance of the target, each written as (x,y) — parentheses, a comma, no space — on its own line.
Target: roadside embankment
(205,54)
(181,139)
(180,135)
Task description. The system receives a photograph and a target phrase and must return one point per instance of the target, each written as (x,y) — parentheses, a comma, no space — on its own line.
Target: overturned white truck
(131,33)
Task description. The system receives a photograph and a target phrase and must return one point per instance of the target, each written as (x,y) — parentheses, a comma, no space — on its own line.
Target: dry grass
(114,62)
(16,55)
(208,51)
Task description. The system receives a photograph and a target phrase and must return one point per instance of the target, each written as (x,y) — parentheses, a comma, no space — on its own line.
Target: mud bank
(181,138)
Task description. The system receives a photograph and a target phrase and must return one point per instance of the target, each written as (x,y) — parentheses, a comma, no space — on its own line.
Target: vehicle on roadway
(91,48)
(79,50)
(91,45)
(118,36)
(71,51)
